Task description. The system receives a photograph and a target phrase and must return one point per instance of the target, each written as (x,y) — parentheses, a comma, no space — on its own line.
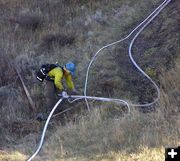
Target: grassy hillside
(35,32)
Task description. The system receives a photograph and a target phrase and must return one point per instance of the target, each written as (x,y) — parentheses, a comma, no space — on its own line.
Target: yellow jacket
(57,75)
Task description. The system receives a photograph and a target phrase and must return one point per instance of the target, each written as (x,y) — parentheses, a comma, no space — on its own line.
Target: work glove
(63,94)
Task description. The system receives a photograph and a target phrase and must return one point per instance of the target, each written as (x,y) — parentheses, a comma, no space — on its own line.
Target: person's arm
(57,82)
(69,82)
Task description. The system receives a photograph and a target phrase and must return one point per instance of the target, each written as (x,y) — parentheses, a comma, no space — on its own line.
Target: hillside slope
(35,32)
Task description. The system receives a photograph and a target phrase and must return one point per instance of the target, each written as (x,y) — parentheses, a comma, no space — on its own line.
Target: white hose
(137,66)
(76,97)
(119,101)
(160,7)
(44,130)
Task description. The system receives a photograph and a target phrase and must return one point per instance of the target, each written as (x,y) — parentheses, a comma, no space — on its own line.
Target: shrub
(59,39)
(28,21)
(8,72)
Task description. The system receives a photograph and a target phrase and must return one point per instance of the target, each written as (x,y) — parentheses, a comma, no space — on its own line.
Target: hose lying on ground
(153,14)
(144,24)
(75,97)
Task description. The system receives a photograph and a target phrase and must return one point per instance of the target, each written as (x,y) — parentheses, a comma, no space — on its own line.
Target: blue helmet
(71,67)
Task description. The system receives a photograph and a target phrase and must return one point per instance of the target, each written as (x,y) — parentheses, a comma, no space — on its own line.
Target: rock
(88,20)
(90,33)
(98,15)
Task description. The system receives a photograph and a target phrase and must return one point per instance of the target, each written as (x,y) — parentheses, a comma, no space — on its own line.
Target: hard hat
(71,67)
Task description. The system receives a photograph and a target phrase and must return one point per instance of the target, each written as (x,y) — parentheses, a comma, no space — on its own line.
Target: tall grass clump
(27,21)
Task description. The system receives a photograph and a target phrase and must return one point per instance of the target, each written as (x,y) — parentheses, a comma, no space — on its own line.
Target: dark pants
(51,96)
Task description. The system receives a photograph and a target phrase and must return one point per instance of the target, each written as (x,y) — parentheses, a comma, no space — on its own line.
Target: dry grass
(137,136)
(105,134)
(15,156)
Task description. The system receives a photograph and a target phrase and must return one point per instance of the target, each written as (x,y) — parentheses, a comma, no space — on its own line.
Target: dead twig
(32,105)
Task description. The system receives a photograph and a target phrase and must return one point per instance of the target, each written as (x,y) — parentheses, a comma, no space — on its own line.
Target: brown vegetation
(23,128)
(73,30)
(28,21)
(59,39)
